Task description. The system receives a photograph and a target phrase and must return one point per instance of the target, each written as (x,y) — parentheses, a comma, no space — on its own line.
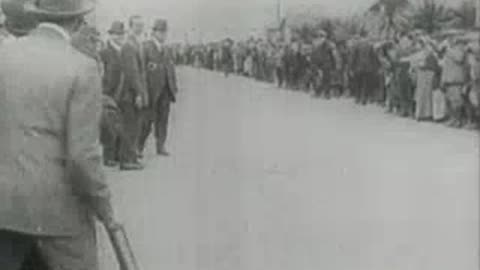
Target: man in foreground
(52,185)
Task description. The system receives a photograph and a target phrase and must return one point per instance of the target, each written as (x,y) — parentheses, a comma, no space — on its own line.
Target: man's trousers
(131,124)
(159,116)
(77,252)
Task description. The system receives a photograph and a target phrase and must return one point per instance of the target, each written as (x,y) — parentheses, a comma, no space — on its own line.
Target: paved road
(266,179)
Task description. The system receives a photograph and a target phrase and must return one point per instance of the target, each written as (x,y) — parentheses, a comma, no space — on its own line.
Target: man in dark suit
(161,84)
(325,60)
(133,99)
(52,185)
(113,83)
(365,66)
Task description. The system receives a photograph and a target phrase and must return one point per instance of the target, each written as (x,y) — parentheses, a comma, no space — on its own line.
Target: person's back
(37,78)
(364,57)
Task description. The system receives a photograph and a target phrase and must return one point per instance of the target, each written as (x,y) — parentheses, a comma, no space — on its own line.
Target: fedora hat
(117,27)
(160,25)
(59,8)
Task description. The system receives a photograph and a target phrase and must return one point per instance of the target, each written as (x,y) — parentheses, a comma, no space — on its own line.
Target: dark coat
(134,70)
(161,77)
(113,77)
(51,177)
(364,57)
(325,57)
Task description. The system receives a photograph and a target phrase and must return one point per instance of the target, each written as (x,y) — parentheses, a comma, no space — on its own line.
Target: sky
(213,19)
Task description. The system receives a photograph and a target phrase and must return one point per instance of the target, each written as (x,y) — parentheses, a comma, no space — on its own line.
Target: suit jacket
(324,56)
(113,77)
(364,57)
(134,70)
(51,178)
(161,78)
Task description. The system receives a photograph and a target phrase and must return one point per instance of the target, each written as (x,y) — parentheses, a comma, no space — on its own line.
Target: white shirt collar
(117,47)
(137,39)
(57,29)
(159,45)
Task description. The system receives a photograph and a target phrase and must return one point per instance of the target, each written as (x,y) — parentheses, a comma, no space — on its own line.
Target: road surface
(268,179)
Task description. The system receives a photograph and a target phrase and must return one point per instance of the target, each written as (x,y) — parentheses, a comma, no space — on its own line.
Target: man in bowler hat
(113,83)
(161,85)
(52,184)
(17,22)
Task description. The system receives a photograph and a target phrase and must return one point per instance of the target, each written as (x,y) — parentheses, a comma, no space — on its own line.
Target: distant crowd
(412,75)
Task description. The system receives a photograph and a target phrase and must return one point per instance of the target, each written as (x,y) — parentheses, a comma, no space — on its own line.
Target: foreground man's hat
(117,28)
(160,25)
(59,8)
(17,21)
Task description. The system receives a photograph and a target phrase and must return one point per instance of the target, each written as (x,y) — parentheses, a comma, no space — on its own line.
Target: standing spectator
(161,85)
(365,66)
(227,57)
(297,66)
(401,83)
(134,96)
(427,81)
(474,68)
(325,60)
(344,53)
(453,80)
(113,83)
(280,65)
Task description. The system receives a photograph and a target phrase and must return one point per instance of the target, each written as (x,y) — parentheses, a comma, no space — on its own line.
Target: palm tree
(464,15)
(392,15)
(305,33)
(430,16)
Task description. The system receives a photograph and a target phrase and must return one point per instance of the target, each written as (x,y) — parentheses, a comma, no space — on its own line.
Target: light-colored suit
(51,179)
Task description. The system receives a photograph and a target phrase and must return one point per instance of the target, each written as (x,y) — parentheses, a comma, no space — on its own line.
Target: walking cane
(121,246)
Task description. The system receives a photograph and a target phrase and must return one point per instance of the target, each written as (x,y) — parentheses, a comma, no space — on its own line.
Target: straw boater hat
(59,9)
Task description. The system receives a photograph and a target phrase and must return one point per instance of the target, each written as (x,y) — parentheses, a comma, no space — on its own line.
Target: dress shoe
(110,163)
(133,166)
(163,152)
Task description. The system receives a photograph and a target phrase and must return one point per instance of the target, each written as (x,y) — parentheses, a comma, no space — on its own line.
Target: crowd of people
(138,81)
(425,77)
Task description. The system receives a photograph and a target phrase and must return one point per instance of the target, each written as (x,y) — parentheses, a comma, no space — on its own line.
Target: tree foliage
(430,16)
(463,16)
(392,15)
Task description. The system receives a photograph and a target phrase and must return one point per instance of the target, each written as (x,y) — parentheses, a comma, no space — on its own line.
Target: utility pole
(281,32)
(477,16)
(279,11)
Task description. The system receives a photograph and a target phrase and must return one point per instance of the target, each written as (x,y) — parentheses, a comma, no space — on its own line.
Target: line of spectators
(428,78)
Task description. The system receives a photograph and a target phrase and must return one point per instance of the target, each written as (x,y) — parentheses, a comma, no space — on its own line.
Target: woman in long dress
(427,81)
